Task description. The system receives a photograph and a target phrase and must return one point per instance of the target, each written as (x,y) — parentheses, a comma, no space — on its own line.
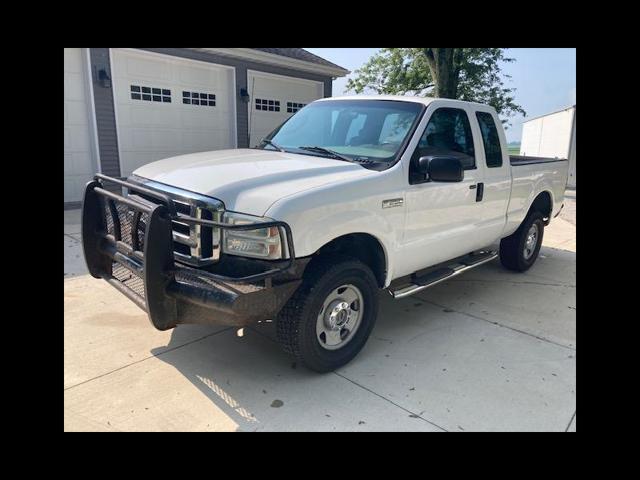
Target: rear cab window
(490,139)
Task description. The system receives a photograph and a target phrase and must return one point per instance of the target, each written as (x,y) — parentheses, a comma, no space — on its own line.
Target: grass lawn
(514,150)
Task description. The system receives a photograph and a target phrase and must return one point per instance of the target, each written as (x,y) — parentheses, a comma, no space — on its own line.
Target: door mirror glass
(441,168)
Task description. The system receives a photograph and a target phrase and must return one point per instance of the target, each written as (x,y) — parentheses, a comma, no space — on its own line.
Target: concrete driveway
(490,350)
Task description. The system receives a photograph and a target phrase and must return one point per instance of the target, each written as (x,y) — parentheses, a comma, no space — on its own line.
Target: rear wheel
(520,250)
(329,318)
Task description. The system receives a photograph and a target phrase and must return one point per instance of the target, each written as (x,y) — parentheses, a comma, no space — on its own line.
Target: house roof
(294,58)
(300,54)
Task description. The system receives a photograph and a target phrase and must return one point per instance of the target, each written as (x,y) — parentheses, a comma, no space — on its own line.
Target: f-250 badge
(392,202)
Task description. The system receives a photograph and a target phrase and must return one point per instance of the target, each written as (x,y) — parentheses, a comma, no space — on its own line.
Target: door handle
(479,192)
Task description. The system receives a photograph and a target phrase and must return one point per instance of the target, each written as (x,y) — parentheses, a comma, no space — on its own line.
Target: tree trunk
(443,70)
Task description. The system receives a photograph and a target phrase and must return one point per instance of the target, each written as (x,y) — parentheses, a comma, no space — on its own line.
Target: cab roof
(399,98)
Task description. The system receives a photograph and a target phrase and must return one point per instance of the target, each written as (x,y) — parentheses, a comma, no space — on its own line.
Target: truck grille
(195,245)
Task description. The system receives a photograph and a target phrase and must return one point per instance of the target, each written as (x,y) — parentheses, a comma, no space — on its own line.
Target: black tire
(296,323)
(512,248)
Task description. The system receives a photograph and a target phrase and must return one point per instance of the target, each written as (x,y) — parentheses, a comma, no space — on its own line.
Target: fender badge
(392,202)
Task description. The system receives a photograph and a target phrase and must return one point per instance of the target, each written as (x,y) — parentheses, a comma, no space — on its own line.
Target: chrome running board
(444,273)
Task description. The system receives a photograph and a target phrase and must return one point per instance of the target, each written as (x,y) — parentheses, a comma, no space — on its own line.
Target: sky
(544,78)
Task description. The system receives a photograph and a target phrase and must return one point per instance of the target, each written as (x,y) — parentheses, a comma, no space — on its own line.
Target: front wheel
(329,318)
(520,250)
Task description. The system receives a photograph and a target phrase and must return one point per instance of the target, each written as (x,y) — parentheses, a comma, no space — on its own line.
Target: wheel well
(543,204)
(362,246)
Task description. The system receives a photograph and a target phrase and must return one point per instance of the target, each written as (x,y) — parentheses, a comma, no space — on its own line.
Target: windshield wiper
(273,144)
(330,153)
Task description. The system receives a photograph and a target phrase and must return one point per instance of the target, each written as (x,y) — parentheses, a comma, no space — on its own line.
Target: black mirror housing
(440,168)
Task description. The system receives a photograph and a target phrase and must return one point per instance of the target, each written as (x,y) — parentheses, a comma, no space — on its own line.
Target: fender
(541,186)
(320,215)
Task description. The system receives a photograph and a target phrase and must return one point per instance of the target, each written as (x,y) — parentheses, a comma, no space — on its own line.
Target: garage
(80,161)
(126,107)
(167,106)
(274,99)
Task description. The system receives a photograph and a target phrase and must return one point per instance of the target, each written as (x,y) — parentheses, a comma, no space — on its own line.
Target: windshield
(356,130)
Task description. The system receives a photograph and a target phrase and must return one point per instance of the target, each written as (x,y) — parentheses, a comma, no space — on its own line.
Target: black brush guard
(130,245)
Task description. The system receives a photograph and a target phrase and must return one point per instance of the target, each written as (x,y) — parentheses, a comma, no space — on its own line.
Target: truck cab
(349,196)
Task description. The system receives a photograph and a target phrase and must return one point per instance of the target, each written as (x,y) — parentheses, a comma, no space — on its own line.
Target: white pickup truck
(349,196)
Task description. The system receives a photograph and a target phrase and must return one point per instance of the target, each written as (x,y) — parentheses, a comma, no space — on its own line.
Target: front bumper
(129,244)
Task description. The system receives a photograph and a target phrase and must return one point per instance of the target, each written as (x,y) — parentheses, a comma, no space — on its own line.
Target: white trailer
(552,135)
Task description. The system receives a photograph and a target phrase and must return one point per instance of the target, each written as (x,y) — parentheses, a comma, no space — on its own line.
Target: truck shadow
(247,378)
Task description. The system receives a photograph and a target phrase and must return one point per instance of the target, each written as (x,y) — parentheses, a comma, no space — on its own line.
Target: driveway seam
(498,324)
(145,358)
(391,402)
(570,421)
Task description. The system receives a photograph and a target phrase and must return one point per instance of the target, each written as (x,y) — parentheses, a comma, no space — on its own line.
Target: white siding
(79,158)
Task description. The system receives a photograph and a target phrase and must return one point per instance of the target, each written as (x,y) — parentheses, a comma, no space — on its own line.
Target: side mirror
(441,168)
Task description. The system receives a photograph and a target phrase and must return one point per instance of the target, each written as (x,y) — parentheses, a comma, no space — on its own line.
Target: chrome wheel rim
(339,317)
(531,241)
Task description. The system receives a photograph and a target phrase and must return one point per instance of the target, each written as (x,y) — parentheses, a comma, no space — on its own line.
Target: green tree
(471,74)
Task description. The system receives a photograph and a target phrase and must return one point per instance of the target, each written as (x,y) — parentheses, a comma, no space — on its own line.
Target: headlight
(260,243)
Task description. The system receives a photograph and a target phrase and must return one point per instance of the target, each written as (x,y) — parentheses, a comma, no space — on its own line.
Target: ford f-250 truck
(348,196)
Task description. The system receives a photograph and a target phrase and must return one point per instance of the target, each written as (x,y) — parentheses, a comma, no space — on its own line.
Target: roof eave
(272,59)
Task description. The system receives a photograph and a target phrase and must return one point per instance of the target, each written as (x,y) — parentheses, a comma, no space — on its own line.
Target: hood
(248,180)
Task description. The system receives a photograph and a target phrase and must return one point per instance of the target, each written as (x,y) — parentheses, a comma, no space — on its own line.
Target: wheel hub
(531,241)
(339,317)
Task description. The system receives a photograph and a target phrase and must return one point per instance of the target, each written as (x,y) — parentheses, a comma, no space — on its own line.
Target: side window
(448,133)
(490,139)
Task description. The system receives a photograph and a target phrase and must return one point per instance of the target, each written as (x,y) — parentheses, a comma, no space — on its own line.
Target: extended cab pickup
(349,196)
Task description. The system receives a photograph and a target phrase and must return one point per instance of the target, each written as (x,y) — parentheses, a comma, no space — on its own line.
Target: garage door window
(199,98)
(293,107)
(267,105)
(150,94)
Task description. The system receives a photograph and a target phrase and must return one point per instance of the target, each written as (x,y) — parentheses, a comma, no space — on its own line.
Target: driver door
(443,219)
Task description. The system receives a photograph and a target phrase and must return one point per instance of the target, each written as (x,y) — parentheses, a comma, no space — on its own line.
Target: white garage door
(274,98)
(166,106)
(79,157)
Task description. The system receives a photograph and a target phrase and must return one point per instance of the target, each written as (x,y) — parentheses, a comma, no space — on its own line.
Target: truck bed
(532,175)
(517,160)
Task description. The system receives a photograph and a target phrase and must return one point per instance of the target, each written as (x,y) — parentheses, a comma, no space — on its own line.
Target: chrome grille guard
(196,246)
(97,239)
(129,243)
